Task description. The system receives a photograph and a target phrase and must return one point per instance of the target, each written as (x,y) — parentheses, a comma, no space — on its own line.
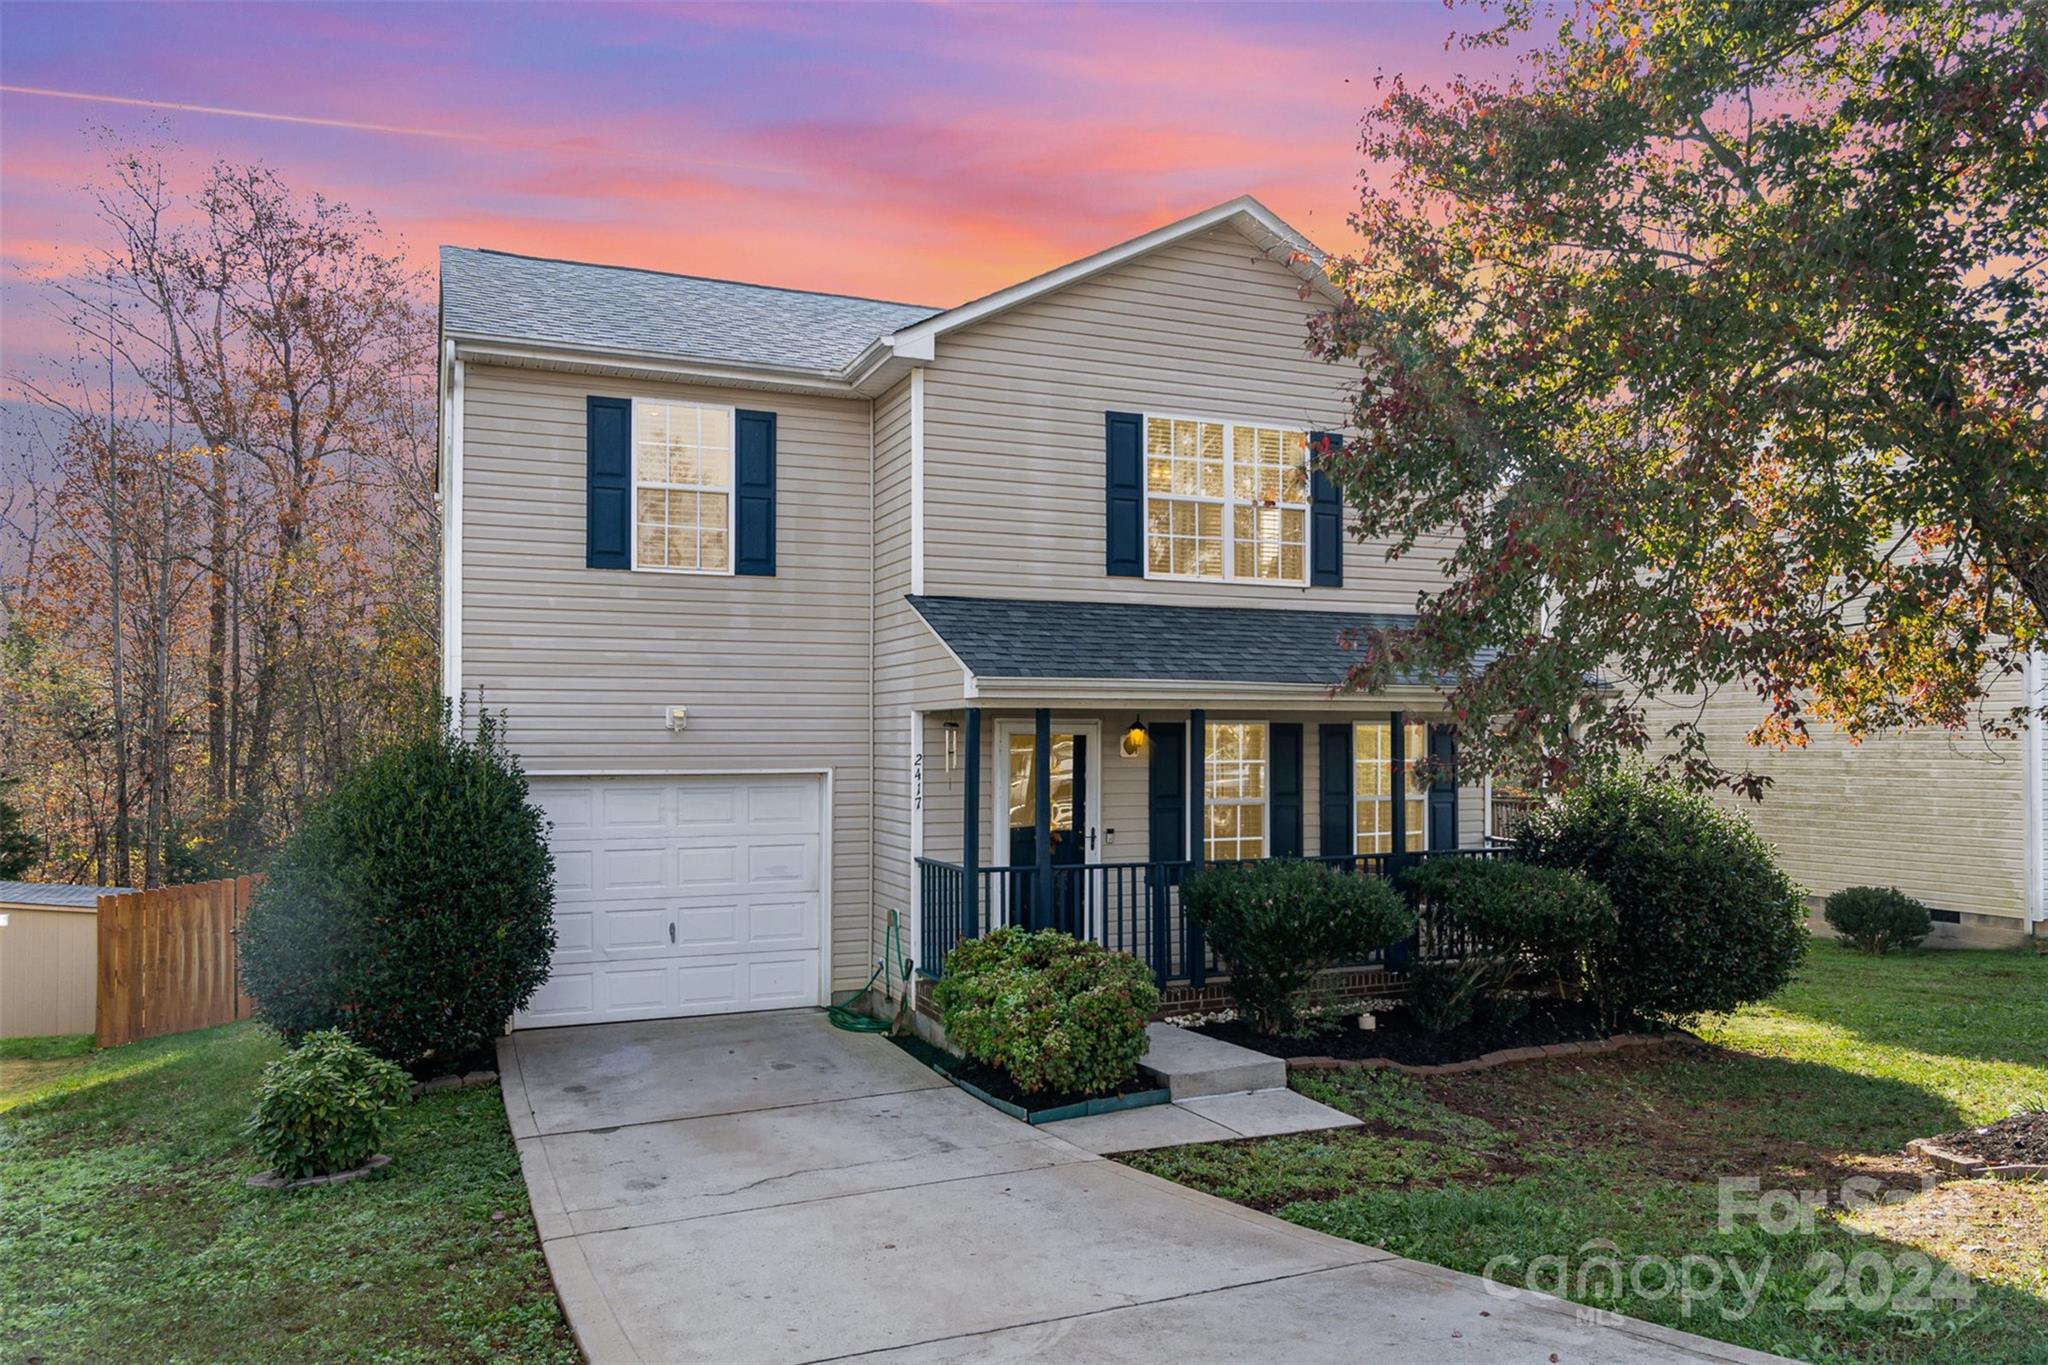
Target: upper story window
(1225,500)
(682,487)
(1372,751)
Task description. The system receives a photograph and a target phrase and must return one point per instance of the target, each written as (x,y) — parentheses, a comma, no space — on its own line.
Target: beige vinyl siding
(1208,327)
(585,662)
(1939,815)
(911,669)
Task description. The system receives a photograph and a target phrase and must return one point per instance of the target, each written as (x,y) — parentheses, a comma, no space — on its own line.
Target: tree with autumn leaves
(1717,338)
(223,524)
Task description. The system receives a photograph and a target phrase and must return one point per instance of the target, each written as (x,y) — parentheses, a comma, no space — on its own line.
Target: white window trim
(1265,802)
(1227,502)
(732,478)
(1409,790)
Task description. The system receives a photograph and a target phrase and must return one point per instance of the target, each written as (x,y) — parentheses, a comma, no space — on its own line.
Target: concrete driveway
(766,1188)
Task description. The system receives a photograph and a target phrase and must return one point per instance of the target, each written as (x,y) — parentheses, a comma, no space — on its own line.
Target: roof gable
(1259,224)
(580,312)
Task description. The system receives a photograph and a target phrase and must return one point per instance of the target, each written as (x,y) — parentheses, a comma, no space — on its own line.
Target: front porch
(1355,785)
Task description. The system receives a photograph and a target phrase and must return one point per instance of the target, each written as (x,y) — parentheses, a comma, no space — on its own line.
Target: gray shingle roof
(53,893)
(1012,638)
(490,294)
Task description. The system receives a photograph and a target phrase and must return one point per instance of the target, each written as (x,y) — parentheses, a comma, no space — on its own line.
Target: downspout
(2034,676)
(451,526)
(874,947)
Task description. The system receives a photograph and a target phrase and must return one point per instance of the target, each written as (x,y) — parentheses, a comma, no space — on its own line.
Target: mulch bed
(998,1083)
(1396,1037)
(2019,1140)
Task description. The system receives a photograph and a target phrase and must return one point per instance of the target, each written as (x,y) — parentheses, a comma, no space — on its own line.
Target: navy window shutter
(608,483)
(1124,487)
(1339,824)
(1443,787)
(1325,517)
(1168,802)
(1284,744)
(753,488)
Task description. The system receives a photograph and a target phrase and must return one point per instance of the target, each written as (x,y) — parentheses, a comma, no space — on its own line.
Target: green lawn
(1621,1156)
(127,1233)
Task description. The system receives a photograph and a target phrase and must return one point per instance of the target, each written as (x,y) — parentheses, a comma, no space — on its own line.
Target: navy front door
(1069,823)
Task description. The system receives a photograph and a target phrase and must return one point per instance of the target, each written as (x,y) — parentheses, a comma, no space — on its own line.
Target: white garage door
(689,895)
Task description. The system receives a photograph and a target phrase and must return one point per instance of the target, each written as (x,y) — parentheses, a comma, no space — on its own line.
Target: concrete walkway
(765,1188)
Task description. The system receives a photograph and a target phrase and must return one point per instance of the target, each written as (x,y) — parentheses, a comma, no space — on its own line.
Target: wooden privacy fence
(167,959)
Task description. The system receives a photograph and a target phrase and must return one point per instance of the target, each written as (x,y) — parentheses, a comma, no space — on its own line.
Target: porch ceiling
(1030,644)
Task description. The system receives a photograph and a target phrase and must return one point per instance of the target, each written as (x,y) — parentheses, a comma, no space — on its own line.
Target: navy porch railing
(1129,908)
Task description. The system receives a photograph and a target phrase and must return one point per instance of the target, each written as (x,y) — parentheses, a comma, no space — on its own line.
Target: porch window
(1024,782)
(682,487)
(1225,500)
(1372,752)
(1234,792)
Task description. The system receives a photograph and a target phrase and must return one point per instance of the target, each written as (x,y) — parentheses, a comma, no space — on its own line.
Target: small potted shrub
(1277,925)
(1055,1013)
(326,1107)
(1877,919)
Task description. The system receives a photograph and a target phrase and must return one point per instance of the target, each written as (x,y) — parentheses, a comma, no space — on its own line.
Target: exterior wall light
(1134,738)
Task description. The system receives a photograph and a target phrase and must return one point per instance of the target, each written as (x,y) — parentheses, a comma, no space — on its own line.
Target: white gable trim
(1261,224)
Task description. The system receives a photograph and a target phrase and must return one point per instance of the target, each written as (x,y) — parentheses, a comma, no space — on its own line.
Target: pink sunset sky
(925,153)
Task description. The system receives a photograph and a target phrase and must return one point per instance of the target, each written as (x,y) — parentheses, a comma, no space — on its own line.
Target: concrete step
(1188,1064)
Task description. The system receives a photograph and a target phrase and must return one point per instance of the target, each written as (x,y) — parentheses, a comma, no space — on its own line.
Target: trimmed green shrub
(1520,919)
(327,1106)
(1705,918)
(1054,1012)
(411,909)
(1277,924)
(1877,919)
(1443,995)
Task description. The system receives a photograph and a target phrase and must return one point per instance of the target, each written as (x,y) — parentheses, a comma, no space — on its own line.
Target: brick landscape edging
(1504,1057)
(1970,1167)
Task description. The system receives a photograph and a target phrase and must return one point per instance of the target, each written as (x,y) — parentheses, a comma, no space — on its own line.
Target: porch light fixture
(1134,738)
(952,745)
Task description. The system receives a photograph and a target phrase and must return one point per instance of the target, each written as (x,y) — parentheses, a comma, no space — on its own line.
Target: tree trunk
(217,765)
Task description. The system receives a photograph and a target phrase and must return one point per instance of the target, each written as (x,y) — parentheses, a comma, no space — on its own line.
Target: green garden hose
(844,1014)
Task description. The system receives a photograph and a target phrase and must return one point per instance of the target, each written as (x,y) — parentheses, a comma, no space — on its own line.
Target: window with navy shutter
(754,490)
(608,506)
(1325,517)
(1124,486)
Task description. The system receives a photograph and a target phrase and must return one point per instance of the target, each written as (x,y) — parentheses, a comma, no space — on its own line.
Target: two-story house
(806,609)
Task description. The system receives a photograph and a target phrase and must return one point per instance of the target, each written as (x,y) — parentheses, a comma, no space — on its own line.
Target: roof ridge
(684,275)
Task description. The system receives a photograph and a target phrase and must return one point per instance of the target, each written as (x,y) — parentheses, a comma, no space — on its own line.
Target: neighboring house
(49,957)
(1955,819)
(784,592)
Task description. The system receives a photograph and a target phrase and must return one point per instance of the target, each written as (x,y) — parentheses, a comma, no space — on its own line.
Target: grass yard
(1617,1159)
(126,1232)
